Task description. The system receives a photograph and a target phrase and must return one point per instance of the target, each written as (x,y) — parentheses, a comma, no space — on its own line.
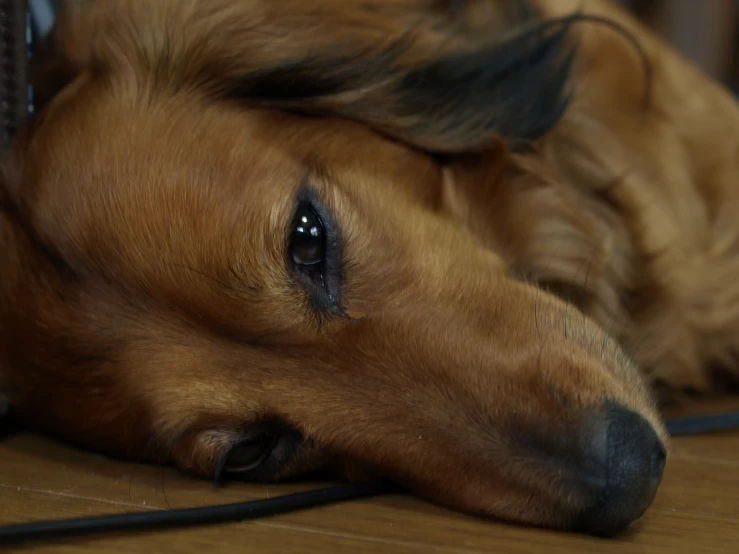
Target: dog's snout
(632,458)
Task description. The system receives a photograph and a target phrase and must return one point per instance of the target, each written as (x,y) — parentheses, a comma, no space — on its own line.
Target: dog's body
(269,237)
(656,195)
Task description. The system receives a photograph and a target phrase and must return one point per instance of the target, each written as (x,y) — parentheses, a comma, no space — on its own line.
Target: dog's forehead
(190,157)
(206,185)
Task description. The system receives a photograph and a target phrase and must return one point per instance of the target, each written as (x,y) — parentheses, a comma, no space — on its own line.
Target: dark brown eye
(307,237)
(249,453)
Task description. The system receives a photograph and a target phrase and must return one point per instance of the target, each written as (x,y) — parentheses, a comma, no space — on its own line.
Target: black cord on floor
(701,424)
(187,517)
(242,511)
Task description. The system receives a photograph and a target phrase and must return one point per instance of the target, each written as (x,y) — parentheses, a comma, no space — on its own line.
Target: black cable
(242,511)
(701,424)
(187,517)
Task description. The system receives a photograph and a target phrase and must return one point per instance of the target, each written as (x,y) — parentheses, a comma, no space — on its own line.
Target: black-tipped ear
(517,91)
(453,101)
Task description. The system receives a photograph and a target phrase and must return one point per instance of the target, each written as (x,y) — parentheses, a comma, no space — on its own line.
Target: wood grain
(696,510)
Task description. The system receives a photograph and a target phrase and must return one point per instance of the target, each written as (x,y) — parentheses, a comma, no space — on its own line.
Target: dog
(454,244)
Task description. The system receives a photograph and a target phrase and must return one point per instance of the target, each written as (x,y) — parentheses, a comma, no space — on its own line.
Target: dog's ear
(414,69)
(436,82)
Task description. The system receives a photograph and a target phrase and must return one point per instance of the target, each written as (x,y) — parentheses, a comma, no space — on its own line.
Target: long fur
(527,226)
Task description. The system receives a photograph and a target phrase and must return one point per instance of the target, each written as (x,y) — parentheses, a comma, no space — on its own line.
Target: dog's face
(243,290)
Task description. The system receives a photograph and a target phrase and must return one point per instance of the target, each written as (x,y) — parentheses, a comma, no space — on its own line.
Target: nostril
(660,456)
(659,459)
(634,459)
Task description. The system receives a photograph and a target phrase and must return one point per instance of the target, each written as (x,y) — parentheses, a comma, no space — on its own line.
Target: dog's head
(228,244)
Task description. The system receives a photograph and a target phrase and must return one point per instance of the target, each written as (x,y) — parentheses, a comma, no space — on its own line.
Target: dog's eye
(248,454)
(307,237)
(314,253)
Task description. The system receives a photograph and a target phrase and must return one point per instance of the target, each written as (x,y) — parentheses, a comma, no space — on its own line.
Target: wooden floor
(696,510)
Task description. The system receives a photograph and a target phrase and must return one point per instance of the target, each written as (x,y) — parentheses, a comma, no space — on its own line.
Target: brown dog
(264,237)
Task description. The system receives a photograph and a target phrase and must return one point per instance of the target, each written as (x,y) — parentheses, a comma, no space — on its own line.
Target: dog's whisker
(634,347)
(609,331)
(164,490)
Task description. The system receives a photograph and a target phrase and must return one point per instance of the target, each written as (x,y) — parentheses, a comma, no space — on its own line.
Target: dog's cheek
(353,471)
(309,458)
(312,459)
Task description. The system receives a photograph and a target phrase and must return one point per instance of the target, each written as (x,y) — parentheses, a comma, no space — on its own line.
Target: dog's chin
(601,491)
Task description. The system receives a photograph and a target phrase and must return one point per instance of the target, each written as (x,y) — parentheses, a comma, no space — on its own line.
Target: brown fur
(147,309)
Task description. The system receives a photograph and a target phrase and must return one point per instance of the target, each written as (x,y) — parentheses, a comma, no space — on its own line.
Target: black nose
(634,461)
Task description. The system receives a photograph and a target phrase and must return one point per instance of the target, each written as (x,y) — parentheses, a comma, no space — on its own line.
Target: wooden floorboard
(696,510)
